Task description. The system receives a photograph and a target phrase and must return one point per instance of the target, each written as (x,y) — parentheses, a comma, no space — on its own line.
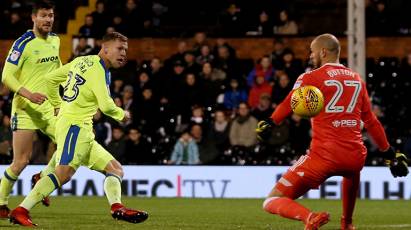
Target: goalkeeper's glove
(264,129)
(397,162)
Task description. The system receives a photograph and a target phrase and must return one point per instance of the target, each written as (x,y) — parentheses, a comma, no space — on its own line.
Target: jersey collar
(335,64)
(108,75)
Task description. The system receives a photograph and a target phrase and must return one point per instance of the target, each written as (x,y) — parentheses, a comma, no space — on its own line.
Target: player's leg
(283,204)
(48,128)
(22,148)
(69,155)
(103,161)
(45,186)
(293,184)
(350,187)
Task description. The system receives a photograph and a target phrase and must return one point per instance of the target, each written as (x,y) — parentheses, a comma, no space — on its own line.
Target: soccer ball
(307,101)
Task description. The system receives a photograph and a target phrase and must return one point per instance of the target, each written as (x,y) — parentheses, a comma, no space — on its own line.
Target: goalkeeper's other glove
(264,129)
(397,163)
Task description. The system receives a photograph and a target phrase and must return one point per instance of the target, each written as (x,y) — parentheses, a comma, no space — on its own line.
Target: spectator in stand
(281,89)
(100,19)
(5,135)
(299,134)
(242,130)
(128,102)
(147,112)
(6,97)
(138,150)
(292,67)
(102,129)
(137,17)
(407,144)
(212,81)
(191,94)
(133,20)
(213,74)
(207,147)
(264,108)
(111,29)
(156,69)
(200,39)
(263,27)
(191,66)
(118,101)
(14,27)
(286,26)
(117,87)
(143,83)
(160,9)
(226,62)
(117,146)
(197,116)
(171,84)
(96,48)
(185,151)
(263,68)
(219,131)
(158,74)
(88,30)
(260,87)
(230,22)
(220,42)
(179,55)
(118,25)
(205,55)
(405,73)
(379,20)
(406,65)
(234,95)
(82,48)
(278,53)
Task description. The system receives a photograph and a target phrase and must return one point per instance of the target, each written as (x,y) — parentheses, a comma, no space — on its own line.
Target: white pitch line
(390,226)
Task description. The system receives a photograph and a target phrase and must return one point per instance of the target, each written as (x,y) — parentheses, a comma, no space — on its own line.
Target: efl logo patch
(14,56)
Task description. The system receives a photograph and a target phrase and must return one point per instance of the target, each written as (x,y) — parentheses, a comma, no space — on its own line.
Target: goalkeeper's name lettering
(335,72)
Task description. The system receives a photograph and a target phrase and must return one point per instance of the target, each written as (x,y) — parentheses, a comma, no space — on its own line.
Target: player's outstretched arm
(397,162)
(104,101)
(53,81)
(283,110)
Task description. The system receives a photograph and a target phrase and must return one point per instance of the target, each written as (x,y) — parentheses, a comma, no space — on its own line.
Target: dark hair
(131,127)
(42,4)
(118,127)
(114,36)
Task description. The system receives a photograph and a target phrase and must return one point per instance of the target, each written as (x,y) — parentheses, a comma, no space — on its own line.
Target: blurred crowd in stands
(226,18)
(202,104)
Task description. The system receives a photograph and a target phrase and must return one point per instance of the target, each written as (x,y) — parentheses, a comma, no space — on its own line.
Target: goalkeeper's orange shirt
(336,130)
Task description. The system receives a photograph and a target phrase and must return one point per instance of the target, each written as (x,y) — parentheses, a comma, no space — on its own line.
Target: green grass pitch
(210,214)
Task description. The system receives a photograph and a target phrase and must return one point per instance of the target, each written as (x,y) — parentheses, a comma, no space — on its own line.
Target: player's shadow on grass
(7,225)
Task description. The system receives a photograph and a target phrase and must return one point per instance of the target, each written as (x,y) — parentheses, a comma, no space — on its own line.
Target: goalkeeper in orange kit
(336,148)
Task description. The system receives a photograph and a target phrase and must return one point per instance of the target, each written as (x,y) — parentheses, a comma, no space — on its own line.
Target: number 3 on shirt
(71,89)
(331,106)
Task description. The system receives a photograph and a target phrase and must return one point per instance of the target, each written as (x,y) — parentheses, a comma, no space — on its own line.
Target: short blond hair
(112,36)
